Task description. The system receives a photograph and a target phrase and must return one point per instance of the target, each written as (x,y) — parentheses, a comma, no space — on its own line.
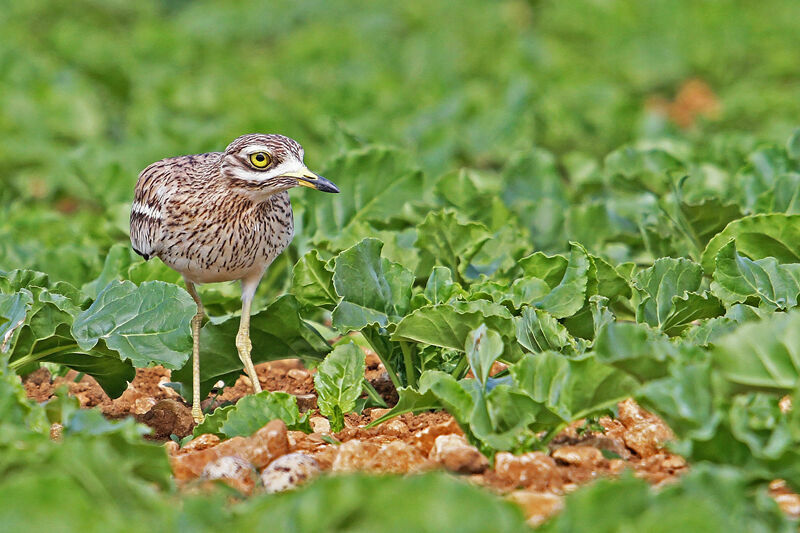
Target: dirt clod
(168,417)
(534,470)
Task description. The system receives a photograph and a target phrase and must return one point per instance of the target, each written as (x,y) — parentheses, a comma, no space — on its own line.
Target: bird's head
(268,164)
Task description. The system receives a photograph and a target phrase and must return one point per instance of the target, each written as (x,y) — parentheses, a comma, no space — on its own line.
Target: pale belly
(216,254)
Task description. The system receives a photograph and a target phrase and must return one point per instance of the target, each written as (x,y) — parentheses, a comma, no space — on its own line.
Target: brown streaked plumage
(221,216)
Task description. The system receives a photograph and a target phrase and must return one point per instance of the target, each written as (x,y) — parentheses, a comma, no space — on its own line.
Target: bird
(221,216)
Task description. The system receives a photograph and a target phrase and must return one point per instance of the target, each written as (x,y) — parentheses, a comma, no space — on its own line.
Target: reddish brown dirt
(410,443)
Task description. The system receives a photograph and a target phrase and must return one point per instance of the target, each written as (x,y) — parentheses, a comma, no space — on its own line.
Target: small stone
(55,431)
(455,454)
(586,456)
(206,440)
(537,506)
(288,472)
(320,424)
(376,413)
(172,447)
(425,438)
(297,374)
(354,455)
(640,430)
(306,402)
(233,471)
(142,405)
(394,428)
(533,469)
(266,445)
(397,457)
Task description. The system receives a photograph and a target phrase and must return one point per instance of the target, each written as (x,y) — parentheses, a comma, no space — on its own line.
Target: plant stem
(33,357)
(408,360)
(373,394)
(389,370)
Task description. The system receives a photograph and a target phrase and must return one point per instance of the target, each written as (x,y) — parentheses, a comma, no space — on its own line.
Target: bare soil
(407,444)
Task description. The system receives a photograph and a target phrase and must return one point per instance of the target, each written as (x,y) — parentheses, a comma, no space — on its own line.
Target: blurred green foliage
(93,91)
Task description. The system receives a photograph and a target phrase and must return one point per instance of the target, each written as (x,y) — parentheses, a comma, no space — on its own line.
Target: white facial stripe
(146,210)
(254,148)
(292,165)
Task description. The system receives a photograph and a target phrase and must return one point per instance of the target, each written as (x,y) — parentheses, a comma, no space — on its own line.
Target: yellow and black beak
(306,178)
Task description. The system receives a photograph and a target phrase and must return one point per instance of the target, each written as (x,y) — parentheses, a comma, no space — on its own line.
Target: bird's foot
(197,415)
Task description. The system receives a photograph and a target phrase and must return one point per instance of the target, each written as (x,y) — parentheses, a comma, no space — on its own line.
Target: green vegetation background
(93,91)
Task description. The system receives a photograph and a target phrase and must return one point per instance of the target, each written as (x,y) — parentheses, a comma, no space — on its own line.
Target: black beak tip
(325,185)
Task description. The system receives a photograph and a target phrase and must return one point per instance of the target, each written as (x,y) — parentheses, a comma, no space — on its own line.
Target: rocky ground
(274,459)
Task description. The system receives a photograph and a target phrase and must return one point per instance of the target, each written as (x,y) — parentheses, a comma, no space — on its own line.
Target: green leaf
(13,313)
(253,412)
(538,331)
(147,324)
(549,268)
(763,354)
(757,420)
(793,145)
(373,289)
(568,296)
(757,237)
(709,217)
(312,282)
(277,332)
(571,388)
(440,286)
(737,278)
(669,298)
(634,348)
(447,325)
(685,400)
(483,347)
(445,240)
(410,401)
(338,382)
(427,503)
(376,183)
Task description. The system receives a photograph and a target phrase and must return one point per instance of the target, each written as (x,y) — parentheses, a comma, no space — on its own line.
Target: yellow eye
(260,159)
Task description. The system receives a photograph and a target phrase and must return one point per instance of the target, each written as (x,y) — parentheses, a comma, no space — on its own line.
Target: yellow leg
(244,346)
(197,321)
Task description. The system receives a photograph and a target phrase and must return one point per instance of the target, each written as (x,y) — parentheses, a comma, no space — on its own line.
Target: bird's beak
(306,178)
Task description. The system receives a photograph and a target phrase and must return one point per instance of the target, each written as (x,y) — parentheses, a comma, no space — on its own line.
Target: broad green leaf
(426,503)
(551,269)
(338,383)
(793,145)
(440,286)
(277,332)
(568,296)
(670,299)
(376,184)
(147,324)
(373,289)
(757,237)
(763,354)
(312,282)
(447,325)
(483,347)
(634,348)
(758,420)
(737,278)
(410,401)
(571,388)
(13,313)
(783,197)
(708,498)
(539,331)
(685,400)
(253,412)
(119,258)
(450,393)
(709,217)
(445,240)
(643,169)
